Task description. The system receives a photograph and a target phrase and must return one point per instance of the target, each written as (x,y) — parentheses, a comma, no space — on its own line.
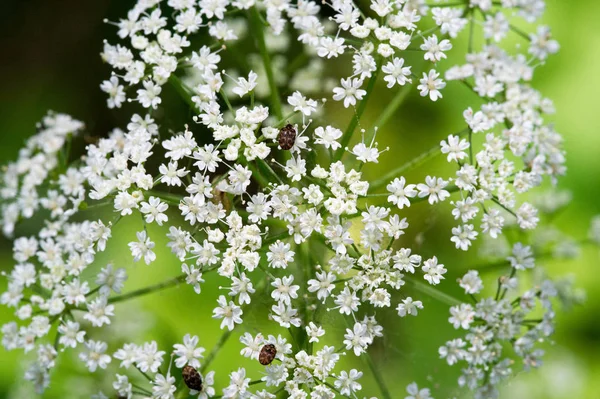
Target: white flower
(123,386)
(400,192)
(527,216)
(245,86)
(142,248)
(328,137)
(408,306)
(171,175)
(280,255)
(180,146)
(462,316)
(415,393)
(522,257)
(431,85)
(347,301)
(128,355)
(434,50)
(163,387)
(346,382)
(148,357)
(241,287)
(302,104)
(95,356)
(357,339)
(541,43)
(208,390)
(314,332)
(116,93)
(495,27)
(349,92)
(154,210)
(229,312)
(111,279)
(330,47)
(396,72)
(252,345)
(433,271)
(284,291)
(463,235)
(471,282)
(434,189)
(322,285)
(285,315)
(455,148)
(149,95)
(367,154)
(189,352)
(99,311)
(70,334)
(194,276)
(238,385)
(295,168)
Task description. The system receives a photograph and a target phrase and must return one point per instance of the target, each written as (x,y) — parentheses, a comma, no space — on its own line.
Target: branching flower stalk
(261,189)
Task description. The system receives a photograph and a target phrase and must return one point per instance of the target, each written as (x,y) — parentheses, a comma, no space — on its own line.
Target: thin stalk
(259,34)
(471,146)
(182,90)
(224,337)
(521,33)
(392,107)
(283,121)
(434,292)
(413,163)
(263,164)
(354,122)
(385,393)
(504,207)
(148,290)
(256,174)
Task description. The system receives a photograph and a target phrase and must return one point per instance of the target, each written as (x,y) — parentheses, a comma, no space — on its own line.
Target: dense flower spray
(271,197)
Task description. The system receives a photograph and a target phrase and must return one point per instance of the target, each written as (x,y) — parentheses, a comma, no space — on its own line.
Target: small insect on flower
(267,354)
(192,378)
(287,137)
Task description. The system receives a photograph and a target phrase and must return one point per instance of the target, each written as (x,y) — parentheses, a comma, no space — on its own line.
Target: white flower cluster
(272,207)
(493,323)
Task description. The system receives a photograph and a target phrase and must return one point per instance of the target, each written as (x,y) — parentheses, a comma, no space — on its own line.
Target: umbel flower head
(263,194)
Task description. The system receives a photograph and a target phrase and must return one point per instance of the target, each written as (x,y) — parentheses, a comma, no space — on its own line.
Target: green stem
(520,32)
(148,290)
(392,107)
(354,122)
(259,34)
(265,165)
(471,27)
(434,292)
(385,393)
(256,174)
(182,90)
(413,163)
(172,199)
(504,207)
(224,337)
(283,121)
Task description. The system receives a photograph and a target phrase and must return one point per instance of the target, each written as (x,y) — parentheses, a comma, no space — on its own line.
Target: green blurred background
(51,61)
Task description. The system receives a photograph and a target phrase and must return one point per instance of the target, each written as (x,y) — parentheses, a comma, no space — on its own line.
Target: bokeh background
(51,61)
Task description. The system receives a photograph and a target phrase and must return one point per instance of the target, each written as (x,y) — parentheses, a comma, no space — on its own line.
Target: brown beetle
(267,354)
(192,378)
(287,137)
